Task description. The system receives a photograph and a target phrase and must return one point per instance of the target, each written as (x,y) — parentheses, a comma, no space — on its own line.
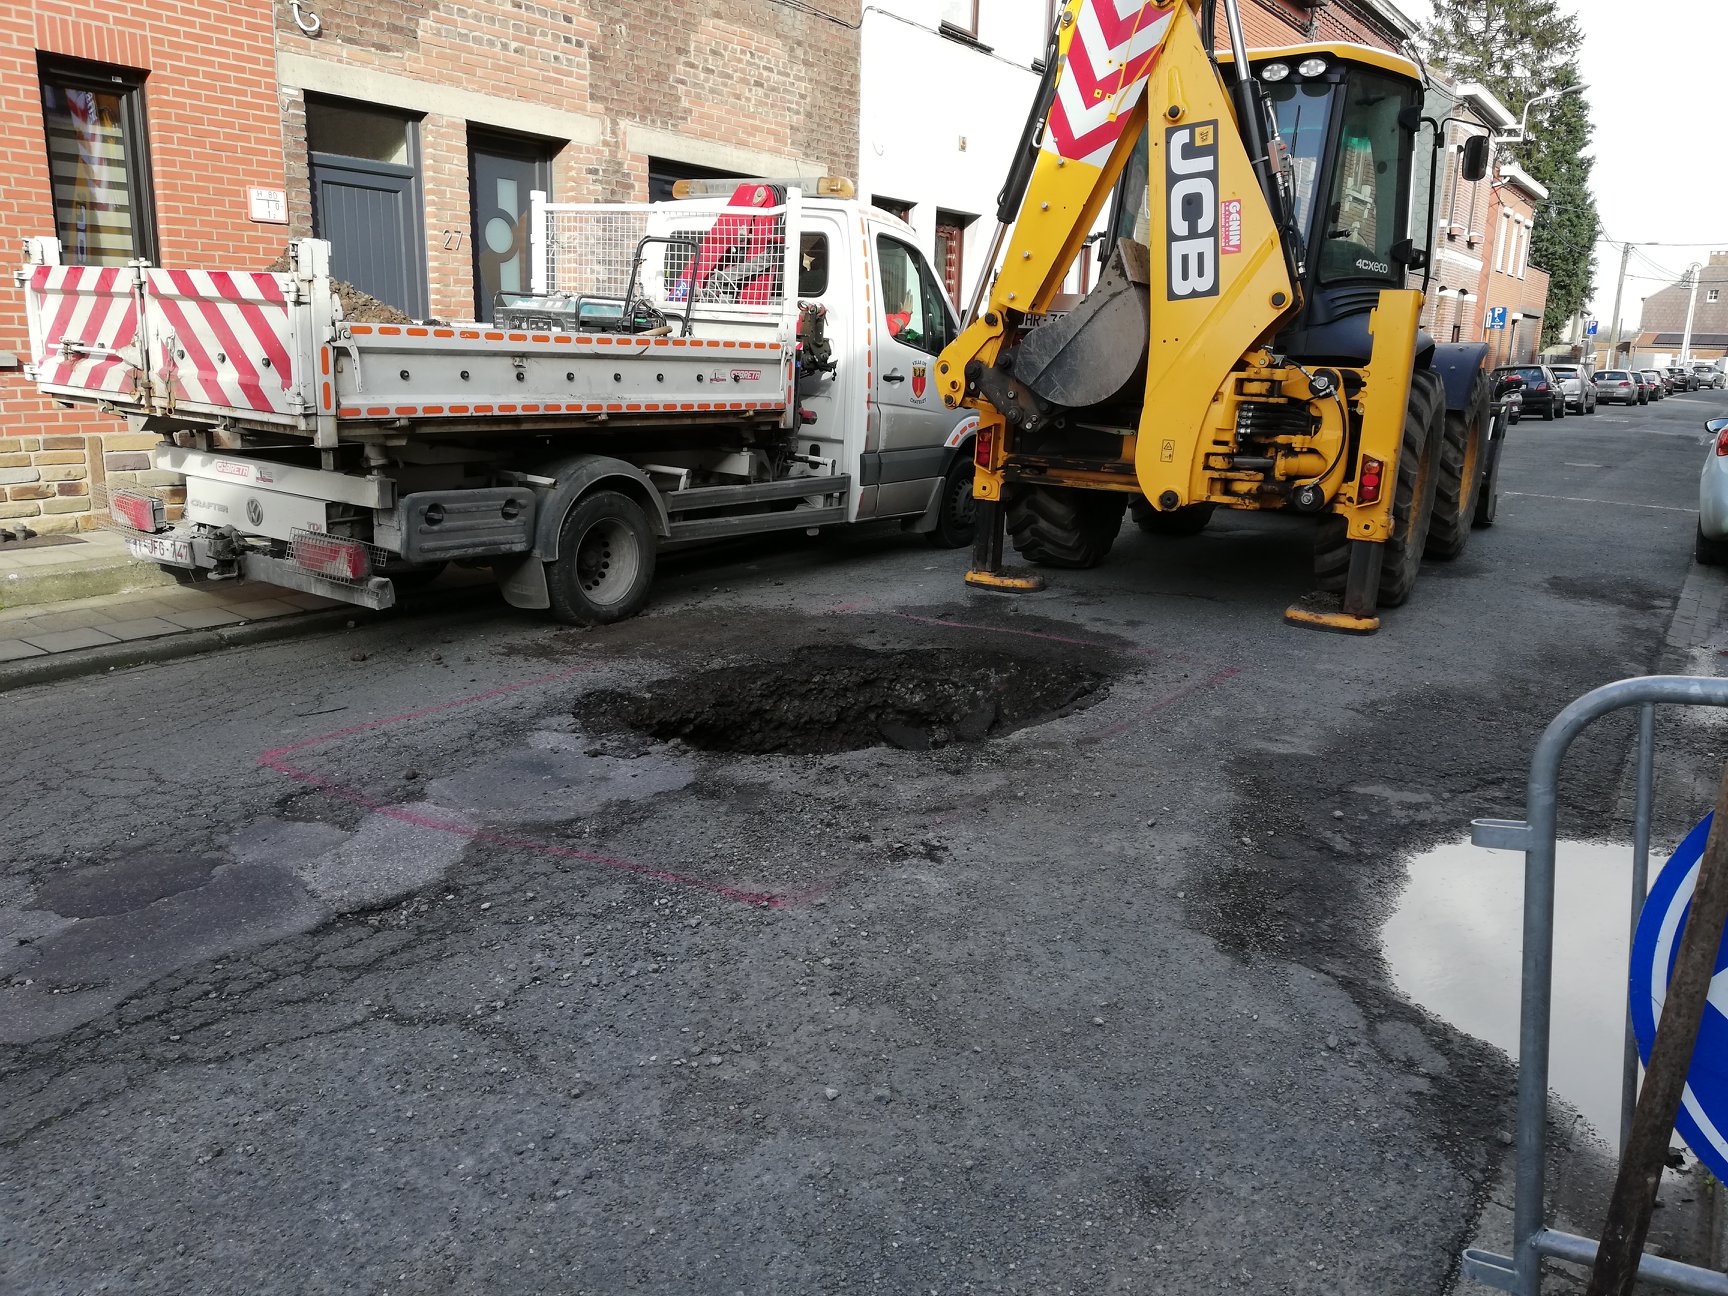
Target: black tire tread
(1189,520)
(1455,495)
(1055,526)
(1411,517)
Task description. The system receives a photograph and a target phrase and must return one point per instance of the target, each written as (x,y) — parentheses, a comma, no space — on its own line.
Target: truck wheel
(956,511)
(1190,519)
(1056,526)
(605,563)
(1412,504)
(1461,455)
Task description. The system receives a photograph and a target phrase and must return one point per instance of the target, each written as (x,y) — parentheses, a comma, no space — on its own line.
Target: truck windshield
(1362,220)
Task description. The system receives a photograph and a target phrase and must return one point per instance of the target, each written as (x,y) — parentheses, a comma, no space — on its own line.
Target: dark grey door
(366,201)
(368,212)
(503,171)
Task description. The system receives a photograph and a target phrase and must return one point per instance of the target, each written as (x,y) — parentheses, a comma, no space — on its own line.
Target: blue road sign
(1590,329)
(1497,317)
(1703,1119)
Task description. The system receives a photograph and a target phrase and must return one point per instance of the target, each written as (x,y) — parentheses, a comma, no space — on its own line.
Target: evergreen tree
(1520,49)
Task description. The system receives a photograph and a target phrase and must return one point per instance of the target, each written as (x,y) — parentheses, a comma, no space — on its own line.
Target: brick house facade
(129,128)
(1361,22)
(1662,327)
(596,102)
(1509,279)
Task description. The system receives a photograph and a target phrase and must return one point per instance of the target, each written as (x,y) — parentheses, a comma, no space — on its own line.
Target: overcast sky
(1658,92)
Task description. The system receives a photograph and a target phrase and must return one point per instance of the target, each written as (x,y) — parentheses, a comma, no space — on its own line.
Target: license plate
(163,549)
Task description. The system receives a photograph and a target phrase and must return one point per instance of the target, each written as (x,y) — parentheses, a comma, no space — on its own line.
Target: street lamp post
(1694,273)
(1518,136)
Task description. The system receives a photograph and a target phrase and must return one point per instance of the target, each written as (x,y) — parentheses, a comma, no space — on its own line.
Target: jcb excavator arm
(1163,381)
(1209,254)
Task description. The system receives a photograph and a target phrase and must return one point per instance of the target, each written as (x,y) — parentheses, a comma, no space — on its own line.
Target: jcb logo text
(1191,186)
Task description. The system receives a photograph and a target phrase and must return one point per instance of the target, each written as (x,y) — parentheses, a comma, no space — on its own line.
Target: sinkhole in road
(834,698)
(1454,946)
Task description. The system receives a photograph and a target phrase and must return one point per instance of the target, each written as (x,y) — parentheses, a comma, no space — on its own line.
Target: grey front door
(366,199)
(503,171)
(368,211)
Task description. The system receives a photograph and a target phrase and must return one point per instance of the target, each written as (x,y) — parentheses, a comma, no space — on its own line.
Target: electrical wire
(805,7)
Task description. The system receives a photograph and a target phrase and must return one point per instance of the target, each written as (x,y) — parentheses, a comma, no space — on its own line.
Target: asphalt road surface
(477,955)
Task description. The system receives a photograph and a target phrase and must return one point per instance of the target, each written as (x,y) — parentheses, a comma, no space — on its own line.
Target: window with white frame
(1500,243)
(1714,294)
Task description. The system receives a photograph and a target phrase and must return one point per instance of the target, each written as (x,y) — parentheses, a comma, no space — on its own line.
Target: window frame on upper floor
(130,123)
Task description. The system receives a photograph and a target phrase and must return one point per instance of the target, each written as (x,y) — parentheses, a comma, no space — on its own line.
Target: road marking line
(1567,463)
(1576,499)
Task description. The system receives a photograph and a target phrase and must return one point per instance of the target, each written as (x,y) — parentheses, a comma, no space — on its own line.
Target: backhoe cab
(1250,343)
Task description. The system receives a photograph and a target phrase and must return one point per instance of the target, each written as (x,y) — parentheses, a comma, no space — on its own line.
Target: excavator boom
(1216,362)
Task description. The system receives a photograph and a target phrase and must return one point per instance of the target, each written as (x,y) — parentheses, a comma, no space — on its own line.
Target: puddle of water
(1454,947)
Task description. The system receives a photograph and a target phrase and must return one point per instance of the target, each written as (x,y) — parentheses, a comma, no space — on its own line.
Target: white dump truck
(749,360)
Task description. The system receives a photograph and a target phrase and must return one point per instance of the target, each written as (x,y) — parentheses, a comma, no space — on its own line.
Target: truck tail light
(337,559)
(1722,443)
(983,447)
(1372,470)
(140,512)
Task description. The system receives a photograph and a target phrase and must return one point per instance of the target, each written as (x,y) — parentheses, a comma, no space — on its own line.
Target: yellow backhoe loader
(1251,342)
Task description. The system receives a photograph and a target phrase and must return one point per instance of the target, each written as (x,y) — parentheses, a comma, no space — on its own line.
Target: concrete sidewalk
(42,629)
(60,568)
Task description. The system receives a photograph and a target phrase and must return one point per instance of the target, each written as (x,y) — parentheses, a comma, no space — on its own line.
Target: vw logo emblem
(254,512)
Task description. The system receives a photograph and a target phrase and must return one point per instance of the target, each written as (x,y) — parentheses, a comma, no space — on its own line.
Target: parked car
(1619,387)
(1579,388)
(1711,547)
(1680,379)
(1709,376)
(1654,388)
(1542,394)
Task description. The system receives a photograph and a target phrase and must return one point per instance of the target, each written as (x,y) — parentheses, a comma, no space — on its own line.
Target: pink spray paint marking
(276,759)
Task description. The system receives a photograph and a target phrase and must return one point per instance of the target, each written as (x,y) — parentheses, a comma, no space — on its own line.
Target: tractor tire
(1412,504)
(1461,458)
(605,563)
(1055,526)
(1189,520)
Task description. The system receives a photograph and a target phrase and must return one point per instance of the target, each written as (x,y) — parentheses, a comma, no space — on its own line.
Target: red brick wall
(746,74)
(1278,22)
(214,131)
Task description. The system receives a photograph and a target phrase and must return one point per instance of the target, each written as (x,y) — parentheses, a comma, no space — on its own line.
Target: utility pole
(1694,272)
(1619,292)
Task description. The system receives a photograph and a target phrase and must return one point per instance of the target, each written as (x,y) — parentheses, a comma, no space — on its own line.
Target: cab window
(912,310)
(1362,218)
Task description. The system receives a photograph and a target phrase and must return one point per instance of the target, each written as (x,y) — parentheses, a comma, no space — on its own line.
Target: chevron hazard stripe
(1113,51)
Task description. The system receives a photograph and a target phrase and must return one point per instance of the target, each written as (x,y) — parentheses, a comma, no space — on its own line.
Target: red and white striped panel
(1114,48)
(221,339)
(88,316)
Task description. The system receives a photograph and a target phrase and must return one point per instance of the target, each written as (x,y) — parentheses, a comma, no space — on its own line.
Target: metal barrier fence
(1532,1240)
(702,252)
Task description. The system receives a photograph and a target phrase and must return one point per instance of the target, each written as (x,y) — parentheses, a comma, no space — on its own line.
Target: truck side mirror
(1475,164)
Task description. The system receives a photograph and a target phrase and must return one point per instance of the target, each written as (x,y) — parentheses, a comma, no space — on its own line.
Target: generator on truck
(741,360)
(1250,342)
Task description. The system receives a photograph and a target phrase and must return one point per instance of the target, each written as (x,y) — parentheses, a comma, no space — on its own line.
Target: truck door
(912,323)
